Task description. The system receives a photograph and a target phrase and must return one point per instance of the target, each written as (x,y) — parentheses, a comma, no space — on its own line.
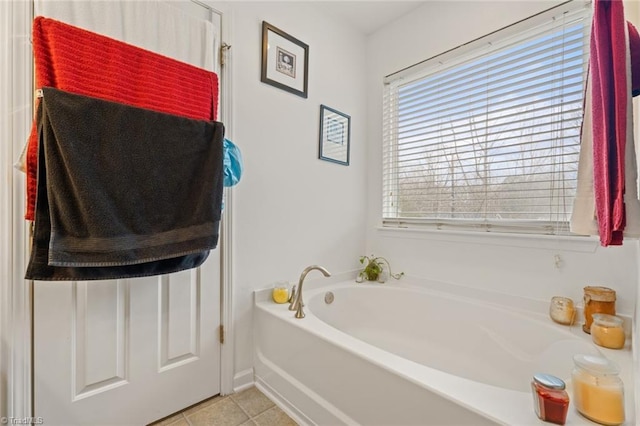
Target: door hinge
(221,333)
(223,53)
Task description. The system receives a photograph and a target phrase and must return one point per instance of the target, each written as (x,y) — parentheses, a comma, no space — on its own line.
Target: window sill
(546,242)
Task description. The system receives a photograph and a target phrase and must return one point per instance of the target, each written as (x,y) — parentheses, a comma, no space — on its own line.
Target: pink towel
(583,217)
(609,95)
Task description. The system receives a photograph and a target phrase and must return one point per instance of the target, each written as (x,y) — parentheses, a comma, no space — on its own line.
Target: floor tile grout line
(264,411)
(241,408)
(257,414)
(219,399)
(216,399)
(186,418)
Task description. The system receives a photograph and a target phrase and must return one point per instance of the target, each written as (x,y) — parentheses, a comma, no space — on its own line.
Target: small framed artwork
(285,61)
(335,133)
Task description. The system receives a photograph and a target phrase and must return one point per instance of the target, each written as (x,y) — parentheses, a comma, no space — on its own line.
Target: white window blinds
(487,136)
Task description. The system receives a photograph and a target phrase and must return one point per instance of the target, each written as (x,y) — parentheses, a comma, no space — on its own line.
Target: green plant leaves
(374,267)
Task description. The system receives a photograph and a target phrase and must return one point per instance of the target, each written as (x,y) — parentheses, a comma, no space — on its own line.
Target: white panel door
(127,352)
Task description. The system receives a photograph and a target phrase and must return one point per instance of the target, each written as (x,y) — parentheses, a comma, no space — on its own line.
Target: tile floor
(247,408)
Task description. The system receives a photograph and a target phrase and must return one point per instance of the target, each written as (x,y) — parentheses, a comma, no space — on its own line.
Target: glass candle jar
(607,331)
(597,300)
(280,292)
(561,310)
(550,399)
(598,391)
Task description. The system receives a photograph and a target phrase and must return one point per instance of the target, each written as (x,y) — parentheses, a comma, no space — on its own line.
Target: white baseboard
(243,380)
(298,416)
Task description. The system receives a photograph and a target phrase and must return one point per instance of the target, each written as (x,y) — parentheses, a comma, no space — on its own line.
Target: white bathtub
(396,354)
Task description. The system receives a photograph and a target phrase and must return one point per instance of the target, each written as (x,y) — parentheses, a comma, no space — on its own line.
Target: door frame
(15,292)
(227,353)
(16,301)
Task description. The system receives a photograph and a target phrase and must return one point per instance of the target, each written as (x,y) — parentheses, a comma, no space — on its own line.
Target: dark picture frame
(335,136)
(285,61)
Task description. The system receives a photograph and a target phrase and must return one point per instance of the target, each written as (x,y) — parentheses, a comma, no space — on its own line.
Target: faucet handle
(292,293)
(293,306)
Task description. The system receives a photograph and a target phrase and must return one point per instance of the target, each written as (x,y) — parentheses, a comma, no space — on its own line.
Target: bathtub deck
(316,391)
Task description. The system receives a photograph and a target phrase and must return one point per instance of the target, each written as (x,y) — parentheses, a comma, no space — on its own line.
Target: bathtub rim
(530,306)
(446,385)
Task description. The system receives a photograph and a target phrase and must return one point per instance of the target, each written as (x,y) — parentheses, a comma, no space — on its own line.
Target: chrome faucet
(297,303)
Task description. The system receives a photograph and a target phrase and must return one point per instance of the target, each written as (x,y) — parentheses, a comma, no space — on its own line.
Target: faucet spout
(297,303)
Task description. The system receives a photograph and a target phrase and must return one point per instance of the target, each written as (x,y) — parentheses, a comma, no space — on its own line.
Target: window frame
(460,55)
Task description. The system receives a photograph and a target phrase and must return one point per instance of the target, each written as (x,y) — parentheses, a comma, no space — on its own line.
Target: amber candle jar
(598,391)
(597,300)
(607,331)
(561,310)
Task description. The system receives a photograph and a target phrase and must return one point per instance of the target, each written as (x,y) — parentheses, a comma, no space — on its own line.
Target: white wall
(516,266)
(292,210)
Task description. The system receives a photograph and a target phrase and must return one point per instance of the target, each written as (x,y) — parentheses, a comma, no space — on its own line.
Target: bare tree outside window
(495,138)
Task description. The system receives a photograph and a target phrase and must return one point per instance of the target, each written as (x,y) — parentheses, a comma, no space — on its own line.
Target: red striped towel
(79,61)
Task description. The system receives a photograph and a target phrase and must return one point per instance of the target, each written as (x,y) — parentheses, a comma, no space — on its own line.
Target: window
(487,136)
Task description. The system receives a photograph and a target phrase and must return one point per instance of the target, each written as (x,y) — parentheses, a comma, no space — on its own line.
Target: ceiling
(368,16)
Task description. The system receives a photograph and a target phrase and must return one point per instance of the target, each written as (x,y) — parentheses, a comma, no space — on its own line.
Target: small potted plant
(374,269)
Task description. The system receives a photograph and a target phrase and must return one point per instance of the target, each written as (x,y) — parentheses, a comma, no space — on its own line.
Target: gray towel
(123,191)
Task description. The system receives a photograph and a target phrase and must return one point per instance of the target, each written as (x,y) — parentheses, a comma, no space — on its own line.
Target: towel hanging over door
(123,191)
(83,62)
